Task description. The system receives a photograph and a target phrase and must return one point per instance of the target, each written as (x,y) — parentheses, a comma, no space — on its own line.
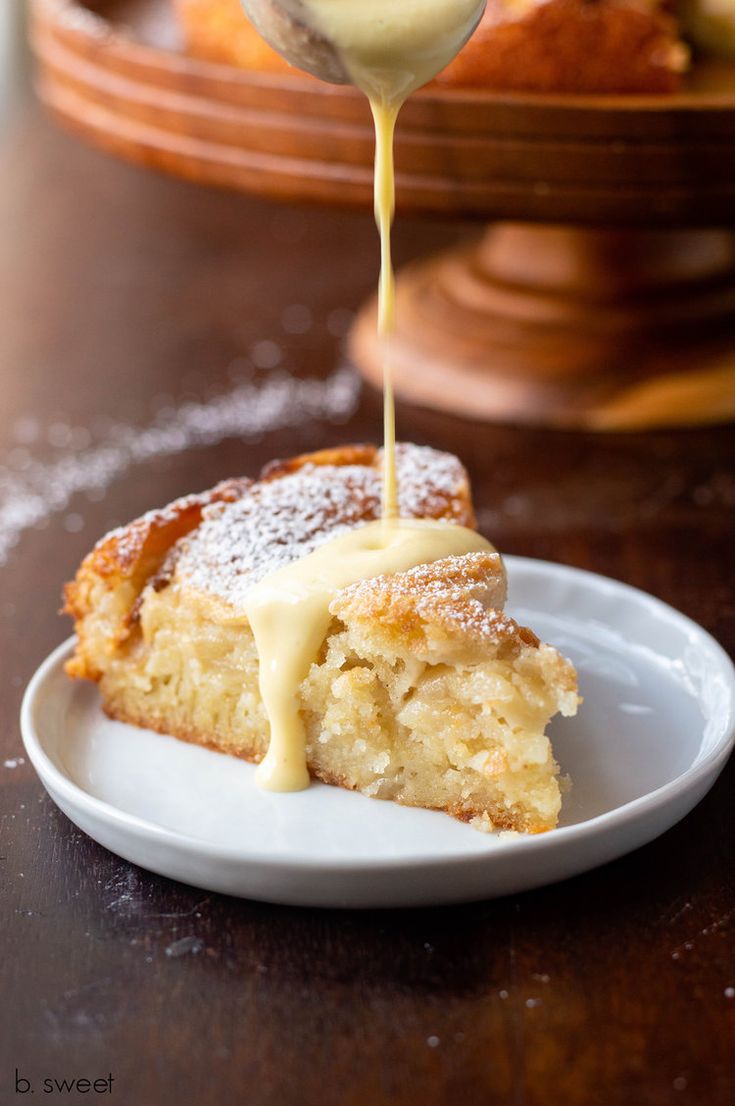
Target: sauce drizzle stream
(389,49)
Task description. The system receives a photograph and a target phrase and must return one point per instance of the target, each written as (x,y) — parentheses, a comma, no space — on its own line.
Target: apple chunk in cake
(424,692)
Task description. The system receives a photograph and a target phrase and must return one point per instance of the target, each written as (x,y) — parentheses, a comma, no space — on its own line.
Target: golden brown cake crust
(339,456)
(126,559)
(302,502)
(131,549)
(241,528)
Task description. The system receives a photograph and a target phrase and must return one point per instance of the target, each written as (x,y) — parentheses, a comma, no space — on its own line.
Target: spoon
(284,26)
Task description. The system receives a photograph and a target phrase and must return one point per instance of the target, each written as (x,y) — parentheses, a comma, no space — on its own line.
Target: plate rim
(710,765)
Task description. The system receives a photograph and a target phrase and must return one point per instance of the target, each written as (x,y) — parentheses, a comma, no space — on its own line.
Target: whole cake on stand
(601,295)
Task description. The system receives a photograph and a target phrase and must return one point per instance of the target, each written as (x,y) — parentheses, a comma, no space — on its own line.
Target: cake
(219,30)
(538,45)
(592,46)
(424,691)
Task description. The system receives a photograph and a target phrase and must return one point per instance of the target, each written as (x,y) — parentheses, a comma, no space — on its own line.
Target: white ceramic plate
(654,732)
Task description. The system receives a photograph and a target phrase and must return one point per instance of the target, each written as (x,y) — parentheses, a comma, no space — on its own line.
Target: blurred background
(156,336)
(14,80)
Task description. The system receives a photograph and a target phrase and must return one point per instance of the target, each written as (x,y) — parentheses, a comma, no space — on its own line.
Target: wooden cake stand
(602,295)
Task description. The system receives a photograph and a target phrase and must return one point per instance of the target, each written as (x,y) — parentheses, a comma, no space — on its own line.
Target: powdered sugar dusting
(39,489)
(464,594)
(280,521)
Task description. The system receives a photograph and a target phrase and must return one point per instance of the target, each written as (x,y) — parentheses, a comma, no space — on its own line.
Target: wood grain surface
(124,295)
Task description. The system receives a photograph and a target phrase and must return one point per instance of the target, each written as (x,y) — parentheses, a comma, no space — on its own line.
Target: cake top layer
(431,609)
(301,504)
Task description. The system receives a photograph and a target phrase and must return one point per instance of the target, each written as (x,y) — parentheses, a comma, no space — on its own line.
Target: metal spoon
(284,26)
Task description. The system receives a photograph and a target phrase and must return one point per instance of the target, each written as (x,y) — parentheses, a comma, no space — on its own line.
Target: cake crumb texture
(424,692)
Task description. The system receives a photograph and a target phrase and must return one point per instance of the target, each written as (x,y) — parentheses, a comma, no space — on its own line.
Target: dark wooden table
(123,295)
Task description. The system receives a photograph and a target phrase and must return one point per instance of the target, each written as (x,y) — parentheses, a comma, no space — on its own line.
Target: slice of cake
(423,692)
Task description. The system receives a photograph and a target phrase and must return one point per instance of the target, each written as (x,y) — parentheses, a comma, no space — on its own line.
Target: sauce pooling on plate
(388,49)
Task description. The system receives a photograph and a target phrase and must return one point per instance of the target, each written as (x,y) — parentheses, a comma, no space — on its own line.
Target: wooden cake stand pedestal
(549,318)
(572,327)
